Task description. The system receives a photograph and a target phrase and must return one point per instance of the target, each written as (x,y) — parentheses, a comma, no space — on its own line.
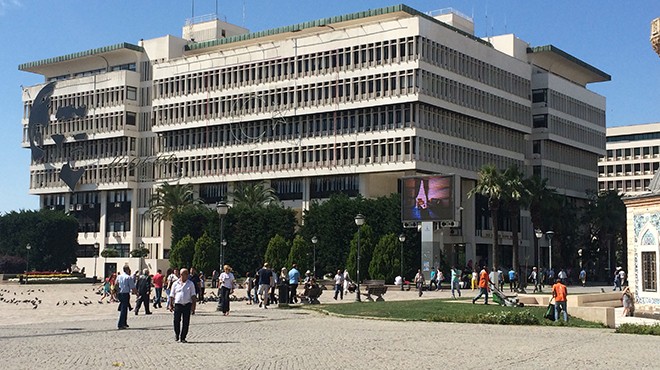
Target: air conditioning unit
(116,234)
(71,207)
(536,156)
(454,231)
(92,205)
(78,207)
(449,223)
(117,204)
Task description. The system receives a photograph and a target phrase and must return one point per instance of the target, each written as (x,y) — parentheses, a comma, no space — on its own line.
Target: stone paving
(85,337)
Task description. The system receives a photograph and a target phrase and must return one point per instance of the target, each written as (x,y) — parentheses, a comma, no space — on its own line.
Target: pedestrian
(249,285)
(583,277)
(143,289)
(214,279)
(455,282)
(627,301)
(617,280)
(227,285)
(266,279)
(172,276)
(500,279)
(563,276)
(347,281)
(294,280)
(559,293)
(483,285)
(339,285)
(433,279)
(113,288)
(194,278)
(158,286)
(439,277)
(106,290)
(202,286)
(183,301)
(283,281)
(512,279)
(622,277)
(474,280)
(125,286)
(419,281)
(534,277)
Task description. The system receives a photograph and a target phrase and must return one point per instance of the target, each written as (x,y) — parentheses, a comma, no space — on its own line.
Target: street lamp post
(539,234)
(96,255)
(141,246)
(359,221)
(314,241)
(549,234)
(27,261)
(222,209)
(402,239)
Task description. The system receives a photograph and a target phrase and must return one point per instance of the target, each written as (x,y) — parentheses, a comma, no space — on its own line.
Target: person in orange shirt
(559,293)
(483,285)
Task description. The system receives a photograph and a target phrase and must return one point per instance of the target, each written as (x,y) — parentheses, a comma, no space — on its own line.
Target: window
(131,118)
(540,120)
(648,272)
(539,96)
(131,93)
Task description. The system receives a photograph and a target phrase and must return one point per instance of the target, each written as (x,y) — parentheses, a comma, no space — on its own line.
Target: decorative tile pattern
(648,238)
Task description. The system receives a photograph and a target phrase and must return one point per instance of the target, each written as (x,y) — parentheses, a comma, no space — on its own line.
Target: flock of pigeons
(29,298)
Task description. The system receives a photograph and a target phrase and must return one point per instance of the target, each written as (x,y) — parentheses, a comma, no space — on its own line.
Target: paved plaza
(84,336)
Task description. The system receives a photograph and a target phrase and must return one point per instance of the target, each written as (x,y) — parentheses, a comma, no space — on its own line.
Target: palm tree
(254,195)
(168,200)
(514,194)
(490,184)
(540,198)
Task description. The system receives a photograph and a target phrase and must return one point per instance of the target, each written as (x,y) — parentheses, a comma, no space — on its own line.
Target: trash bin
(283,295)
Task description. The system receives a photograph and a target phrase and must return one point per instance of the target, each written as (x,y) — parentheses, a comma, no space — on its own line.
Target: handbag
(550,311)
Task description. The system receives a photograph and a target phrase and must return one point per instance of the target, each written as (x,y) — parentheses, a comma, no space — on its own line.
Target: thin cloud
(8,4)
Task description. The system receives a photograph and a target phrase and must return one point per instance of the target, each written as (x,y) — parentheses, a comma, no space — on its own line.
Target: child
(249,285)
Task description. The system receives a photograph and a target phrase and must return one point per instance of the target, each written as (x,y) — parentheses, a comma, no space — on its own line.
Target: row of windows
(565,154)
(106,148)
(468,128)
(103,174)
(91,124)
(569,105)
(109,97)
(634,137)
(633,153)
(148,227)
(569,129)
(476,69)
(636,185)
(457,156)
(212,193)
(629,169)
(471,97)
(293,128)
(92,72)
(568,180)
(349,58)
(390,150)
(282,99)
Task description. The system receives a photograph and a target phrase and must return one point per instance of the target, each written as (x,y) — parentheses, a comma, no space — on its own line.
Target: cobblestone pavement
(251,338)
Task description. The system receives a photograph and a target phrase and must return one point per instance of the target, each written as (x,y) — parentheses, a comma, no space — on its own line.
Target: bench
(375,287)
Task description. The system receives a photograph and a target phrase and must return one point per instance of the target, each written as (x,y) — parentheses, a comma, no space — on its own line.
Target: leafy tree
(140,252)
(301,254)
(206,257)
(181,255)
(195,221)
(605,217)
(366,252)
(109,252)
(384,264)
(277,252)
(254,195)
(490,184)
(12,264)
(168,200)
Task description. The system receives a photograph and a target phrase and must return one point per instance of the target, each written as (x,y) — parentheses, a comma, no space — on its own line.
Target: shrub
(522,317)
(639,329)
(11,264)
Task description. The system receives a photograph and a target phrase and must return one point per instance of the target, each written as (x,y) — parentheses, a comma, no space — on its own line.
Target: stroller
(500,298)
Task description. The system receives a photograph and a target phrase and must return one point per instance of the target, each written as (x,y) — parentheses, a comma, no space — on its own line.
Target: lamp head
(402,238)
(359,219)
(222,208)
(315,240)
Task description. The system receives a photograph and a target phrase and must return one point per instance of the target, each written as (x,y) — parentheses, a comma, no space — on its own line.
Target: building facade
(345,104)
(631,159)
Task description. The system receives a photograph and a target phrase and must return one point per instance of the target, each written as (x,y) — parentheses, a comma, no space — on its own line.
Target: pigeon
(85,297)
(58,303)
(34,307)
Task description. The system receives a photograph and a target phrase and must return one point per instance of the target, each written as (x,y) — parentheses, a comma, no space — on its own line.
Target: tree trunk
(493,212)
(514,213)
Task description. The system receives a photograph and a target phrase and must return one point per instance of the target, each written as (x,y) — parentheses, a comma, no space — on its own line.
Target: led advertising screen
(427,198)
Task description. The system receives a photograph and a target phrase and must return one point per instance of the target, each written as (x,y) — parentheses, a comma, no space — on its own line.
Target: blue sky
(612,35)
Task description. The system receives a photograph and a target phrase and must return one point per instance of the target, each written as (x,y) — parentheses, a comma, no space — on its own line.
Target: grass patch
(447,311)
(639,329)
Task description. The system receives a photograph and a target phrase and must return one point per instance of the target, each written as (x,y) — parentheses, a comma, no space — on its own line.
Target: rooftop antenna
(192,10)
(487,19)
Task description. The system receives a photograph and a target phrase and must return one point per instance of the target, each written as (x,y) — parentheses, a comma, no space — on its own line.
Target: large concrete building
(348,104)
(632,157)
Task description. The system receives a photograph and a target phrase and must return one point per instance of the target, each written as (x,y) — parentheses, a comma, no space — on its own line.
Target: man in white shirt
(339,285)
(126,286)
(182,301)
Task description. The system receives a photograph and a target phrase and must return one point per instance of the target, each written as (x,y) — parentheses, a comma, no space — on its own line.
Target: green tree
(140,252)
(254,195)
(277,253)
(605,217)
(206,257)
(490,184)
(366,252)
(181,255)
(301,254)
(195,221)
(384,264)
(109,253)
(168,200)
(514,195)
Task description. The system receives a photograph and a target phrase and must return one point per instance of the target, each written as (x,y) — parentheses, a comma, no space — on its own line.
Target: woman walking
(419,281)
(227,284)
